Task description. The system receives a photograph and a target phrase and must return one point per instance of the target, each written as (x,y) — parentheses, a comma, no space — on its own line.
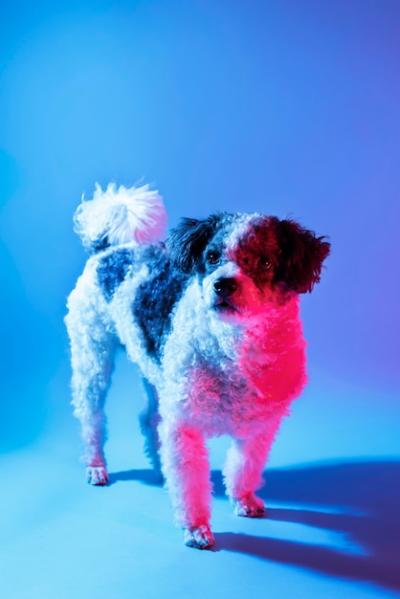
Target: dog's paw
(97,475)
(200,537)
(250,506)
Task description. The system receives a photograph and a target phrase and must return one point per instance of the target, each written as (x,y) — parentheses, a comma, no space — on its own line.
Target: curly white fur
(122,215)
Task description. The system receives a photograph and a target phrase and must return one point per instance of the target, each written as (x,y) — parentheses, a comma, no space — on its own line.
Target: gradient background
(286,107)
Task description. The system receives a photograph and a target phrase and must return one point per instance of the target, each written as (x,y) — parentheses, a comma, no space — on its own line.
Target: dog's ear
(187,241)
(301,255)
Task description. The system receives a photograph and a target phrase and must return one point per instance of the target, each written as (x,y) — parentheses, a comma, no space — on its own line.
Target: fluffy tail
(120,215)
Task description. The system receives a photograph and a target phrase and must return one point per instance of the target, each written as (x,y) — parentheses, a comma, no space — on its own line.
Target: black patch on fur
(99,244)
(257,251)
(112,270)
(155,300)
(216,246)
(187,241)
(301,255)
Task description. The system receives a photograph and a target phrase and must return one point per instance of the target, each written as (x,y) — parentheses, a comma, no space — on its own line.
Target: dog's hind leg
(92,356)
(149,420)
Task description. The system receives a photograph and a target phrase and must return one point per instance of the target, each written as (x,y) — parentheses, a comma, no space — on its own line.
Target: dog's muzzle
(224,289)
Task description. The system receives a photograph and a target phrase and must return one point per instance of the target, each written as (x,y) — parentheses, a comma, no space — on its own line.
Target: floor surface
(332,528)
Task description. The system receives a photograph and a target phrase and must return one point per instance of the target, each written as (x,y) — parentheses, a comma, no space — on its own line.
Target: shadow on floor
(364,497)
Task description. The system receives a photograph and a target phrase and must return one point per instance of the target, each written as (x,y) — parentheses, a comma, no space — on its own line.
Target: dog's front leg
(244,467)
(186,469)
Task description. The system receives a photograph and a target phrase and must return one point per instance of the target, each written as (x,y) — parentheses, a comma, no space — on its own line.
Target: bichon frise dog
(211,316)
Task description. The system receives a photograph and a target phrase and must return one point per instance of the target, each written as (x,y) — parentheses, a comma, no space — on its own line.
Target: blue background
(285,107)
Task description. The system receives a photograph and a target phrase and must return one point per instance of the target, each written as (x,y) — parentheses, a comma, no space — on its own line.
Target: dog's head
(244,260)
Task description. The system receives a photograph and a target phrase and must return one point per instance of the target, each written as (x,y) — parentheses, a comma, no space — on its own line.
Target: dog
(211,317)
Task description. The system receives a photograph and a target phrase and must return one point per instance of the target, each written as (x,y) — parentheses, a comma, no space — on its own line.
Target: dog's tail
(120,215)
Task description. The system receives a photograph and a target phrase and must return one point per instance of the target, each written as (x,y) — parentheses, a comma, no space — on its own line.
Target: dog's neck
(234,337)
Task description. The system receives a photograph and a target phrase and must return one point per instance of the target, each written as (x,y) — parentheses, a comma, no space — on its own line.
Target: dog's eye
(213,257)
(265,262)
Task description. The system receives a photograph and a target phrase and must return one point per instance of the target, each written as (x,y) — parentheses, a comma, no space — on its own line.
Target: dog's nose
(225,287)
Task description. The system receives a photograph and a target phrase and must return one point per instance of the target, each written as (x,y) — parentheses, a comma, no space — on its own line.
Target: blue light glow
(286,108)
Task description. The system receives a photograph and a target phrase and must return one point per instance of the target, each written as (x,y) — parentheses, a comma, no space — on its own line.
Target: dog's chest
(248,376)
